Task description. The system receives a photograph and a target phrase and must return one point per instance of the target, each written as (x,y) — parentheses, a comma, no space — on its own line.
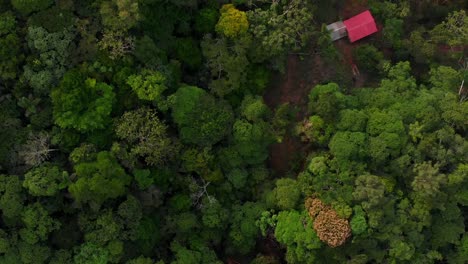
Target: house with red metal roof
(356,28)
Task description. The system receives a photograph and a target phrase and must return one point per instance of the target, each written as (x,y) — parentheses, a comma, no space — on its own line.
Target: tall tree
(294,229)
(46,180)
(50,58)
(9,47)
(99,180)
(82,103)
(228,64)
(232,22)
(146,136)
(452,31)
(283,27)
(202,120)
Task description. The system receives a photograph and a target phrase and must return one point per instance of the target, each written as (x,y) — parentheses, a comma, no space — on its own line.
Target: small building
(337,30)
(355,28)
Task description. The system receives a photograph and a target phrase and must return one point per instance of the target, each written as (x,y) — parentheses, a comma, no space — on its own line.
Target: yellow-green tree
(232,22)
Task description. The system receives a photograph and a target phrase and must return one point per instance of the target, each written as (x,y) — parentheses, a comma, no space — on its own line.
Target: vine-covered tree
(282,27)
(143,130)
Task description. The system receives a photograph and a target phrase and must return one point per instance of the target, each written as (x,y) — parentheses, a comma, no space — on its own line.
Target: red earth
(303,72)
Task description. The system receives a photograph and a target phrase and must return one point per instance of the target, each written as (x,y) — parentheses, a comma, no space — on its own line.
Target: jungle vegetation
(137,132)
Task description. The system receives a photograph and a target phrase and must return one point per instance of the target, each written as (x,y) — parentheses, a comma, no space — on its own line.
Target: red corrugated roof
(360,26)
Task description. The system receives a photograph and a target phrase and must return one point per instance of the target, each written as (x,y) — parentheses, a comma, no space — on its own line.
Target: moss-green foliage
(254,108)
(238,178)
(7,23)
(243,230)
(143,178)
(140,260)
(195,255)
(37,224)
(119,15)
(251,140)
(46,180)
(349,145)
(451,31)
(81,103)
(201,119)
(314,130)
(358,221)
(149,85)
(325,100)
(393,32)
(32,253)
(99,180)
(287,193)
(232,22)
(352,120)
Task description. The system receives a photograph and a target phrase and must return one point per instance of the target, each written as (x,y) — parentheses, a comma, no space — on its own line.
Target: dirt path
(302,74)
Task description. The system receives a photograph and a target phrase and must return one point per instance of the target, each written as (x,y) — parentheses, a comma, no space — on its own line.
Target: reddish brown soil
(302,74)
(353,7)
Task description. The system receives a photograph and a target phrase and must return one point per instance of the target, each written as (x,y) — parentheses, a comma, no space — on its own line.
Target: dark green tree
(206,20)
(26,7)
(202,120)
(50,59)
(11,199)
(252,140)
(10,47)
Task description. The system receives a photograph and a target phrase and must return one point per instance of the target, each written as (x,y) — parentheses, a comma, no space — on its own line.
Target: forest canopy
(203,132)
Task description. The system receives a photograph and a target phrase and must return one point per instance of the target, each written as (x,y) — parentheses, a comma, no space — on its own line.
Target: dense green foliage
(77,104)
(206,132)
(396,164)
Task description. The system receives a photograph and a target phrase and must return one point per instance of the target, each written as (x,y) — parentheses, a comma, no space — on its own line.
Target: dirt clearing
(303,72)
